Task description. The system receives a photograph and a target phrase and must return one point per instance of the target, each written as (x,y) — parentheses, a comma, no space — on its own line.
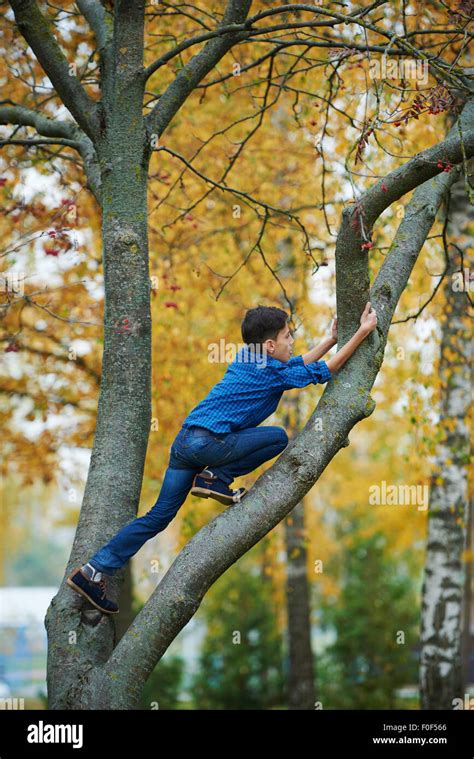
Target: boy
(220,438)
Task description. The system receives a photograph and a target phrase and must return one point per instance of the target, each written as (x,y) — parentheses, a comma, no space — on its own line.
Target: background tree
(301,674)
(441,675)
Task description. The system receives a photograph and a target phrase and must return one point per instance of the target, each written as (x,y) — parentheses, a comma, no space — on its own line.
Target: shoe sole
(84,594)
(205,493)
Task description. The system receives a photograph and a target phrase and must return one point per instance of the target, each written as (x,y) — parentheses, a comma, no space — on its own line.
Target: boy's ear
(269,345)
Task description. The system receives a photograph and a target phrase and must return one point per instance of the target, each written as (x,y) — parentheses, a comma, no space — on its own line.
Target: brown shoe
(207,485)
(94,590)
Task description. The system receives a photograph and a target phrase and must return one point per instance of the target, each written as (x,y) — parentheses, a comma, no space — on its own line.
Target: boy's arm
(368,322)
(299,373)
(319,350)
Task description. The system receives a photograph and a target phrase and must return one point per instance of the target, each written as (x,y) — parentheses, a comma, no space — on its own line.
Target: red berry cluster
(416,108)
(437,100)
(62,242)
(445,166)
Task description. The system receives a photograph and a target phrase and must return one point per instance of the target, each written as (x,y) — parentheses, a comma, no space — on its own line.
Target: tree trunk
(124,618)
(444,580)
(301,690)
(467,636)
(115,474)
(300,685)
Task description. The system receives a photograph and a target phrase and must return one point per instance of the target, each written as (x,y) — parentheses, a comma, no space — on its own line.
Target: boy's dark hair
(261,323)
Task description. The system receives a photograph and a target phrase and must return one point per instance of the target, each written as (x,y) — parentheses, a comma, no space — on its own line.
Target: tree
(115,142)
(301,687)
(441,677)
(301,690)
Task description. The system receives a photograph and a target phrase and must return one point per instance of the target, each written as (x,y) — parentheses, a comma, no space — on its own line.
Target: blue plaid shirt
(250,390)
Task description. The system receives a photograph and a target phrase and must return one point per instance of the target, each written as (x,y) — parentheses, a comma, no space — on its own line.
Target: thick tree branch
(99,21)
(36,30)
(60,133)
(34,143)
(91,168)
(18,114)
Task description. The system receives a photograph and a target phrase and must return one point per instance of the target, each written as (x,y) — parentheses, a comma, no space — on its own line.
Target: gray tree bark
(124,618)
(301,685)
(468,617)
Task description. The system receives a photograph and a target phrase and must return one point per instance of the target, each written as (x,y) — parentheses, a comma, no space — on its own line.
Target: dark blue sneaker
(92,584)
(208,485)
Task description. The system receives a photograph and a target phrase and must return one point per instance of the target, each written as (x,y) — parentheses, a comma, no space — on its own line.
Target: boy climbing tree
(221,439)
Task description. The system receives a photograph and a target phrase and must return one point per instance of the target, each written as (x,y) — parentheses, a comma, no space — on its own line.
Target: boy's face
(281,348)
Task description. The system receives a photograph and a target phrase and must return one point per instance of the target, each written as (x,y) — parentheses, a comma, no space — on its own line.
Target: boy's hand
(368,320)
(334,330)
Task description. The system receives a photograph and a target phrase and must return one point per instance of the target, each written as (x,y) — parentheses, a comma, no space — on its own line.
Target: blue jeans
(228,455)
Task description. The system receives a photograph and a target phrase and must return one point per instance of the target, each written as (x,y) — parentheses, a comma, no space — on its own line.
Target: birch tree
(441,679)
